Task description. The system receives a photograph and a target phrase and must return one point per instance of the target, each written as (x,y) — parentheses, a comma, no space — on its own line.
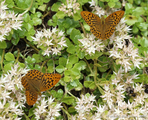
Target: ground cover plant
(100,79)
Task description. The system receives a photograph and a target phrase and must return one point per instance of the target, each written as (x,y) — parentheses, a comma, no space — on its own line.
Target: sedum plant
(101,79)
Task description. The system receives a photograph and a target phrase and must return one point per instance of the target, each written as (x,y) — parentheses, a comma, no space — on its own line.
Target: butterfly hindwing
(95,31)
(31,97)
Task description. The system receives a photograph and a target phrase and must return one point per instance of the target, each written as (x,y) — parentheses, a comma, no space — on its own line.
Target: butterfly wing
(111,21)
(31,97)
(24,82)
(93,21)
(31,82)
(49,80)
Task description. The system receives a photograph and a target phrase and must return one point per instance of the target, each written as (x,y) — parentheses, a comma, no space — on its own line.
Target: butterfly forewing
(49,80)
(90,18)
(114,18)
(24,82)
(111,21)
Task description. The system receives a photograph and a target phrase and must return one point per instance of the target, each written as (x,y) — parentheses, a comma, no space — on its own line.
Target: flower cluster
(90,45)
(50,42)
(11,99)
(8,21)
(86,110)
(123,50)
(97,10)
(116,100)
(119,99)
(47,109)
(70,7)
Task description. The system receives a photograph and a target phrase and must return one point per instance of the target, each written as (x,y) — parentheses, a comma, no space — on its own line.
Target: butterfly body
(36,82)
(102,28)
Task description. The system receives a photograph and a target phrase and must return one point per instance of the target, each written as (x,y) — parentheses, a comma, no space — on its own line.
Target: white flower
(8,21)
(92,3)
(51,42)
(70,7)
(10,93)
(90,45)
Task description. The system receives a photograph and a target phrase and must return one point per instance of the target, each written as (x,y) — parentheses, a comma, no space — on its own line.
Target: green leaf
(3,45)
(128,6)
(55,6)
(15,38)
(60,68)
(37,21)
(50,69)
(37,57)
(71,109)
(67,23)
(71,49)
(28,26)
(135,29)
(89,84)
(79,85)
(67,78)
(138,11)
(95,56)
(75,35)
(62,61)
(60,93)
(143,26)
(22,65)
(143,42)
(31,113)
(67,72)
(60,14)
(81,65)
(111,4)
(130,19)
(77,15)
(9,56)
(75,71)
(46,1)
(86,26)
(68,100)
(69,65)
(26,17)
(81,54)
(42,7)
(8,66)
(73,59)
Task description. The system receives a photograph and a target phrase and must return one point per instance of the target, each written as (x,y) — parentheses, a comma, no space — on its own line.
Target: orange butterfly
(102,28)
(36,82)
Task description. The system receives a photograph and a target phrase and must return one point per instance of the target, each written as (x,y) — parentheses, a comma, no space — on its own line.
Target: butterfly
(36,82)
(102,28)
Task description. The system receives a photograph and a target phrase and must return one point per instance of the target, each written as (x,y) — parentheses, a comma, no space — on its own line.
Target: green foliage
(80,72)
(3,45)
